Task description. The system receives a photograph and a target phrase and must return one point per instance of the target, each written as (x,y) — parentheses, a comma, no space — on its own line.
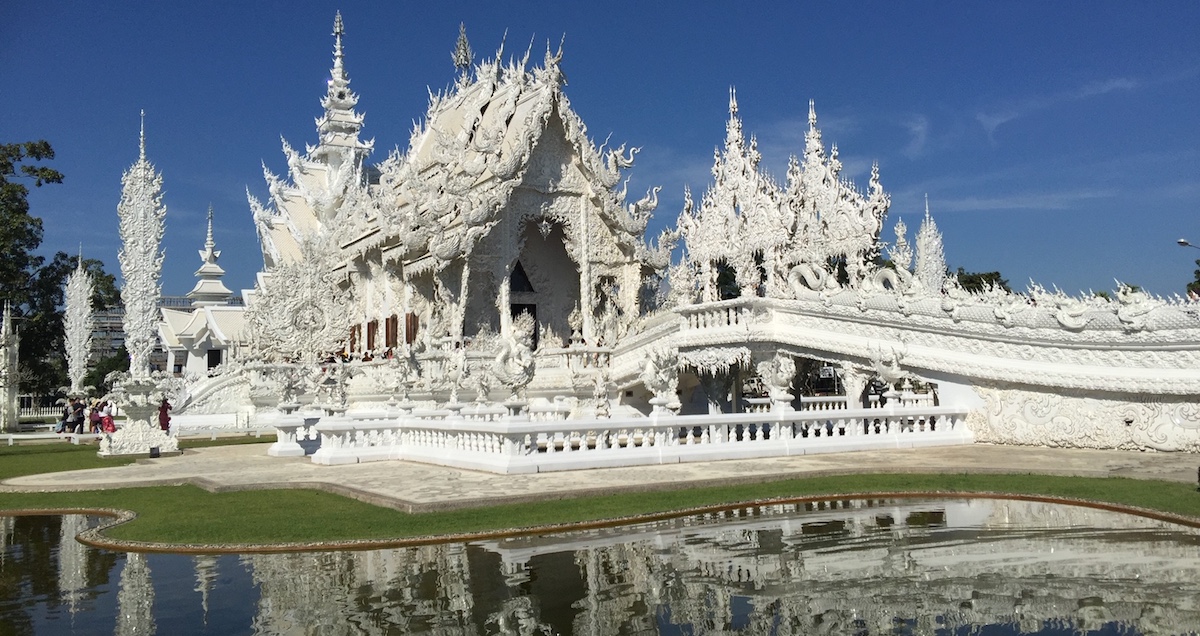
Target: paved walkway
(418,487)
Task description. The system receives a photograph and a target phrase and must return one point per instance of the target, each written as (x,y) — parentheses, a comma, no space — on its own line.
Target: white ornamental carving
(142,218)
(777,375)
(137,437)
(514,364)
(77,325)
(298,310)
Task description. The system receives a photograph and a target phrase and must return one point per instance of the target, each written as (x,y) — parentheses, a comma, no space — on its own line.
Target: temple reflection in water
(849,567)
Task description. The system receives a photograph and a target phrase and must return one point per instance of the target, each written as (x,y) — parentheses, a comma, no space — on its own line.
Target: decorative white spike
(142,217)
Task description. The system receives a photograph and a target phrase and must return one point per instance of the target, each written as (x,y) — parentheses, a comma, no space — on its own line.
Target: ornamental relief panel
(1107,357)
(1071,419)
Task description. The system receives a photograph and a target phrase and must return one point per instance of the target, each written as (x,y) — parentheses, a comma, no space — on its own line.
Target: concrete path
(418,487)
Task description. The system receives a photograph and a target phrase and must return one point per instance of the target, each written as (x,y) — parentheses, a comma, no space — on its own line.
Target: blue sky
(1056,141)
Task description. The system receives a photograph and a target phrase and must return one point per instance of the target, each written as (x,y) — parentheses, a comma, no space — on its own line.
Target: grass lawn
(186,514)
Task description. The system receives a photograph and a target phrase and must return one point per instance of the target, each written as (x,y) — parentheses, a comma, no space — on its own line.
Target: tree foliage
(1193,288)
(98,374)
(976,282)
(32,287)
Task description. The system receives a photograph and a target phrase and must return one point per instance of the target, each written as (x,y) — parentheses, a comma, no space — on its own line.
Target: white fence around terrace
(489,440)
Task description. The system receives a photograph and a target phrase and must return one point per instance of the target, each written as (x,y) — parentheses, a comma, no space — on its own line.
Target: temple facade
(498,273)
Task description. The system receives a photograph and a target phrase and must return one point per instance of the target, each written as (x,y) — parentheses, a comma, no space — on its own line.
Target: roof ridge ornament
(339,29)
(142,138)
(463,56)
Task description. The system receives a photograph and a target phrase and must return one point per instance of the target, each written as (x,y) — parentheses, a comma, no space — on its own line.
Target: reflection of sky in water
(859,567)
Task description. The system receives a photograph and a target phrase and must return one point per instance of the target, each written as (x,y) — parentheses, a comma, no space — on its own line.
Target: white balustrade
(483,438)
(289,430)
(826,403)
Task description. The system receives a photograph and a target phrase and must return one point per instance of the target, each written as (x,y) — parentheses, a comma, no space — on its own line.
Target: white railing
(728,314)
(507,444)
(824,403)
(74,438)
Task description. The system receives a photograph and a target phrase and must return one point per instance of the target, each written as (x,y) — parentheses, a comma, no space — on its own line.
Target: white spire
(209,290)
(931,260)
(78,323)
(901,253)
(142,218)
(142,138)
(340,125)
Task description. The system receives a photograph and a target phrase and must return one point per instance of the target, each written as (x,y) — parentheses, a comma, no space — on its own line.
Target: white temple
(489,298)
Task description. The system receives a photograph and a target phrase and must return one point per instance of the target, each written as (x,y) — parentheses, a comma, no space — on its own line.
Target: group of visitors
(98,415)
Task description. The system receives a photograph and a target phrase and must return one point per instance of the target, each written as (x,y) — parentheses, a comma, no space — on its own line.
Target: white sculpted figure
(661,374)
(1135,307)
(777,374)
(514,364)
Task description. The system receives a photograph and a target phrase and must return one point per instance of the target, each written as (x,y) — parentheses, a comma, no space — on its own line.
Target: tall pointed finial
(732,101)
(927,205)
(338,30)
(812,114)
(209,243)
(463,56)
(142,139)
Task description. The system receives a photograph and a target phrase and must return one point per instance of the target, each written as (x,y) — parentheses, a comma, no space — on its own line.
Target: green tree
(1193,288)
(32,287)
(42,340)
(96,376)
(21,233)
(976,282)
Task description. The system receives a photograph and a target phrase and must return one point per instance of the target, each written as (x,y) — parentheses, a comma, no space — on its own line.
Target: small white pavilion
(198,340)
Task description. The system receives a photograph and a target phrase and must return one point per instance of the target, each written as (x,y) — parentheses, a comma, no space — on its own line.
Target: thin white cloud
(1032,201)
(993,120)
(918,129)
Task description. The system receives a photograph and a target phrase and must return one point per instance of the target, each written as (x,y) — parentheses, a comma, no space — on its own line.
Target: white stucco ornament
(142,217)
(514,364)
(139,433)
(77,325)
(298,313)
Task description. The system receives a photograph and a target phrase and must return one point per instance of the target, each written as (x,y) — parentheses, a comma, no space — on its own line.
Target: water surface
(992,567)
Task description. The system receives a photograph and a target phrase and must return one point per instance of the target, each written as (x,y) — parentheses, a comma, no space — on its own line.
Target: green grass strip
(190,515)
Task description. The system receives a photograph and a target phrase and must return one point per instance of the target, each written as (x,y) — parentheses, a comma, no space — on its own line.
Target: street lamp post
(1186,243)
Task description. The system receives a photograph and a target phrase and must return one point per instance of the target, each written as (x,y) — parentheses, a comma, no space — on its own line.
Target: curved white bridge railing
(506,444)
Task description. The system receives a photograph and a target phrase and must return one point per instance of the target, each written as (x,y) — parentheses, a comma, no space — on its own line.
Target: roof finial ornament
(733,107)
(927,205)
(209,243)
(339,29)
(463,56)
(142,138)
(812,114)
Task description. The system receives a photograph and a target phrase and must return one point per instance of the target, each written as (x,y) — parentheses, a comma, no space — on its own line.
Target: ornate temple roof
(433,202)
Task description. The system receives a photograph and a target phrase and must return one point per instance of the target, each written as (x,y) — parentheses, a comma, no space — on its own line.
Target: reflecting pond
(845,567)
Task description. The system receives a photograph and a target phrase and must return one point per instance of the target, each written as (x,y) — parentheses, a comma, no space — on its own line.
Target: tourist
(77,416)
(106,418)
(66,417)
(94,416)
(164,415)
